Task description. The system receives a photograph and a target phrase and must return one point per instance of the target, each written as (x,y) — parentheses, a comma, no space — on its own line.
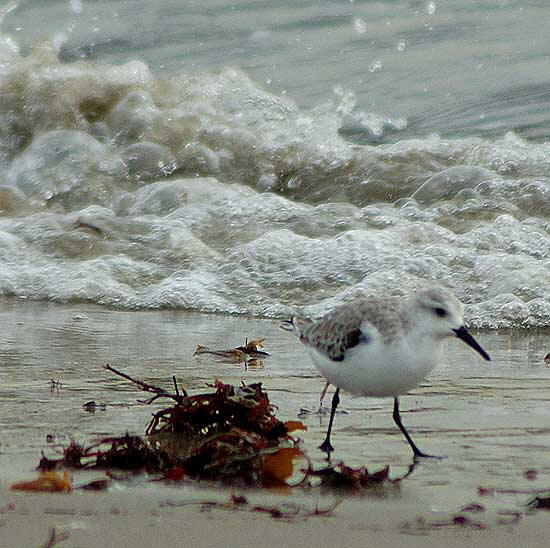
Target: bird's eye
(441,312)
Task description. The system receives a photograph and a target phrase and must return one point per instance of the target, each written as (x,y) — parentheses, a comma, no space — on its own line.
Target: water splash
(207,192)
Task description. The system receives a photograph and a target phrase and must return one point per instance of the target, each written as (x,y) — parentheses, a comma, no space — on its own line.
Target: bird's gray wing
(356,323)
(335,334)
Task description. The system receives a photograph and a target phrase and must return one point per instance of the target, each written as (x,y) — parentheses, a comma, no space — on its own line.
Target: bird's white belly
(369,370)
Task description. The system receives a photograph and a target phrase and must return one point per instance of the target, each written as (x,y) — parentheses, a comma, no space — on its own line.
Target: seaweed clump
(228,434)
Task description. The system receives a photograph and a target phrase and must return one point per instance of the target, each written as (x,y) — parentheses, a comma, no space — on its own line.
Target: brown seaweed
(228,434)
(249,352)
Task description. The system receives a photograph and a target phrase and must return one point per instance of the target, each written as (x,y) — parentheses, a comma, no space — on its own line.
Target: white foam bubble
(208,192)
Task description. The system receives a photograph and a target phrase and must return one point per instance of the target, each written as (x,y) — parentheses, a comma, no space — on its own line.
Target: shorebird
(382,347)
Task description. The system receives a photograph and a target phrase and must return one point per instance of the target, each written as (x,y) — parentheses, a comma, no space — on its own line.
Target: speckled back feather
(339,330)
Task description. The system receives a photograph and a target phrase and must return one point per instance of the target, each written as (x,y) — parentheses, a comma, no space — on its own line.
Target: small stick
(292,512)
(54,538)
(159,392)
(323,394)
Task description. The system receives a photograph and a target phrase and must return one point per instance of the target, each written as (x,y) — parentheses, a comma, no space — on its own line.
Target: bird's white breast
(378,369)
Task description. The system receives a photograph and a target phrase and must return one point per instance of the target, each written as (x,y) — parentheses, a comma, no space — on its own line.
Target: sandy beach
(129,520)
(491,421)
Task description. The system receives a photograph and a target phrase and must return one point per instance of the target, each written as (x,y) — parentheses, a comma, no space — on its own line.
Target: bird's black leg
(326,445)
(397,419)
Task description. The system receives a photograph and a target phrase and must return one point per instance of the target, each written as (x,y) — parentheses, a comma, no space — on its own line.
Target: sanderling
(382,346)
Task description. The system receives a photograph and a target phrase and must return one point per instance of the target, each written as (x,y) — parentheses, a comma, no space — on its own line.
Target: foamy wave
(207,192)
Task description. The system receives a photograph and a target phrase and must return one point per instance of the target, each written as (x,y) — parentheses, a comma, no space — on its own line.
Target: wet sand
(491,421)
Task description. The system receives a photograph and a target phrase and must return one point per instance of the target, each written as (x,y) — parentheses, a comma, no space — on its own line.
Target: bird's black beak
(463,335)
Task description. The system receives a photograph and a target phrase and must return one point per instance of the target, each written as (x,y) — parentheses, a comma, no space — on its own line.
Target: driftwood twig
(146,387)
(55,538)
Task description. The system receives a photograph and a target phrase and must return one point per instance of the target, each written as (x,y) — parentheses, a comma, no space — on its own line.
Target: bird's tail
(296,325)
(287,325)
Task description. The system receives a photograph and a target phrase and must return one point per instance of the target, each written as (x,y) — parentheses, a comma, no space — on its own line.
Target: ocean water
(263,157)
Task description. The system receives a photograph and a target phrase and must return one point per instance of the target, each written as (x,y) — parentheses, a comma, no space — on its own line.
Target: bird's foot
(420,455)
(326,446)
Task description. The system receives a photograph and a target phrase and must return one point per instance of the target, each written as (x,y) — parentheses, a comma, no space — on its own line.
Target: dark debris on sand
(228,434)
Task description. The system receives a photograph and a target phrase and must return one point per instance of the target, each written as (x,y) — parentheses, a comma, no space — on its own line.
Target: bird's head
(443,316)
